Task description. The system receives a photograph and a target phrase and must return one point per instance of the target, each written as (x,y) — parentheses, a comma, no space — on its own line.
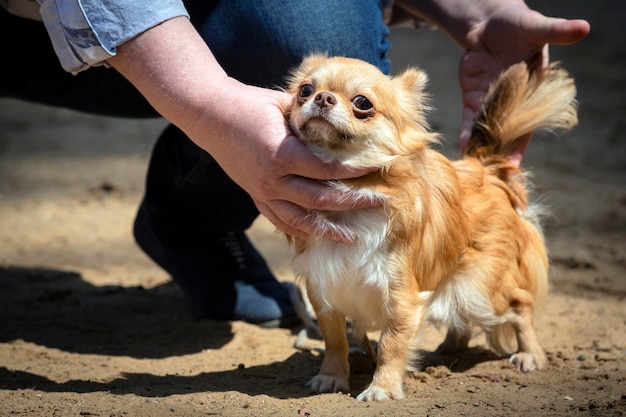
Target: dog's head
(348,111)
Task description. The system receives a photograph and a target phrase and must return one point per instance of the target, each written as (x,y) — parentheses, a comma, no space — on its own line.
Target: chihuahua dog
(451,243)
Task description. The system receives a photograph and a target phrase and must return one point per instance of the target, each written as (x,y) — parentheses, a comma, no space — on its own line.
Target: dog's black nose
(325,100)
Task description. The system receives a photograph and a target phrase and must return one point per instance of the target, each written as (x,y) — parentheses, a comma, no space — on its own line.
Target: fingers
(291,203)
(317,195)
(291,206)
(289,216)
(467,122)
(295,221)
(476,72)
(298,160)
(515,157)
(474,91)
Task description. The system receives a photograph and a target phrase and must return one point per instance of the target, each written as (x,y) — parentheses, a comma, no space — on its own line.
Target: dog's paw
(328,383)
(528,362)
(375,393)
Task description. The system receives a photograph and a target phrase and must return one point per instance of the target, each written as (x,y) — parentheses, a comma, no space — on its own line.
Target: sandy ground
(90,327)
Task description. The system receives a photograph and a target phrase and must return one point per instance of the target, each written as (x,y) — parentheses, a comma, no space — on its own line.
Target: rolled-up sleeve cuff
(85,33)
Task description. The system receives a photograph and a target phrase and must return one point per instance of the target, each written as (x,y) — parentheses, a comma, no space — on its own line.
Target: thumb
(557,31)
(284,101)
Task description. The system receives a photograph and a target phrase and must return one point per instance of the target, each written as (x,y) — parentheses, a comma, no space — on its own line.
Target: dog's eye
(362,107)
(362,103)
(305,91)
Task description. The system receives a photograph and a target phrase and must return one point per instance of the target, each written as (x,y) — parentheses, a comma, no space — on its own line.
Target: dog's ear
(409,91)
(412,80)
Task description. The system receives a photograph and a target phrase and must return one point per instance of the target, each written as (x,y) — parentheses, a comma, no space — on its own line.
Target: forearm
(455,17)
(174,69)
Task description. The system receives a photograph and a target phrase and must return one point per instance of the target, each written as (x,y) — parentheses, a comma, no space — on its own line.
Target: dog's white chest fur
(351,278)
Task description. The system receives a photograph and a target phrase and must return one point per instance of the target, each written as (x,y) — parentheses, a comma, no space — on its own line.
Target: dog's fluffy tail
(520,102)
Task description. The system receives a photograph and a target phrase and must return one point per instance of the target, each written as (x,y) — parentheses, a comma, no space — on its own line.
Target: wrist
(457,18)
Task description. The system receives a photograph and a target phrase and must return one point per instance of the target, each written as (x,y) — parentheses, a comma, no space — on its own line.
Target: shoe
(224,278)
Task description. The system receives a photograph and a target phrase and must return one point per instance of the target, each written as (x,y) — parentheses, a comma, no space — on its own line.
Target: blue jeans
(256,42)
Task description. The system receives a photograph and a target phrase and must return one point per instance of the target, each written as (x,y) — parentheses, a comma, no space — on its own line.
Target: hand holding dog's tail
(519,103)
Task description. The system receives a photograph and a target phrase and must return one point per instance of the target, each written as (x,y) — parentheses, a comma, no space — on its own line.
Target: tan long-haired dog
(455,243)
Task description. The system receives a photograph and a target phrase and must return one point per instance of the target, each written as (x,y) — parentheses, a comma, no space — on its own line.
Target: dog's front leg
(335,371)
(390,368)
(392,357)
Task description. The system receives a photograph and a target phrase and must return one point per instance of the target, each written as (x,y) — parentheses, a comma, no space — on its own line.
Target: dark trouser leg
(184,179)
(32,73)
(191,223)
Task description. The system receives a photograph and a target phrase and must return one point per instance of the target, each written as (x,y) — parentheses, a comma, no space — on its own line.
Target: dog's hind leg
(530,355)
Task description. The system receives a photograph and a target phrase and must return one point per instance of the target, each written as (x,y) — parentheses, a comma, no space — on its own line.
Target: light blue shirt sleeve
(85,33)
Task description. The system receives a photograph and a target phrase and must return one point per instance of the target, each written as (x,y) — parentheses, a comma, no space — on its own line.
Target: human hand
(256,149)
(511,33)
